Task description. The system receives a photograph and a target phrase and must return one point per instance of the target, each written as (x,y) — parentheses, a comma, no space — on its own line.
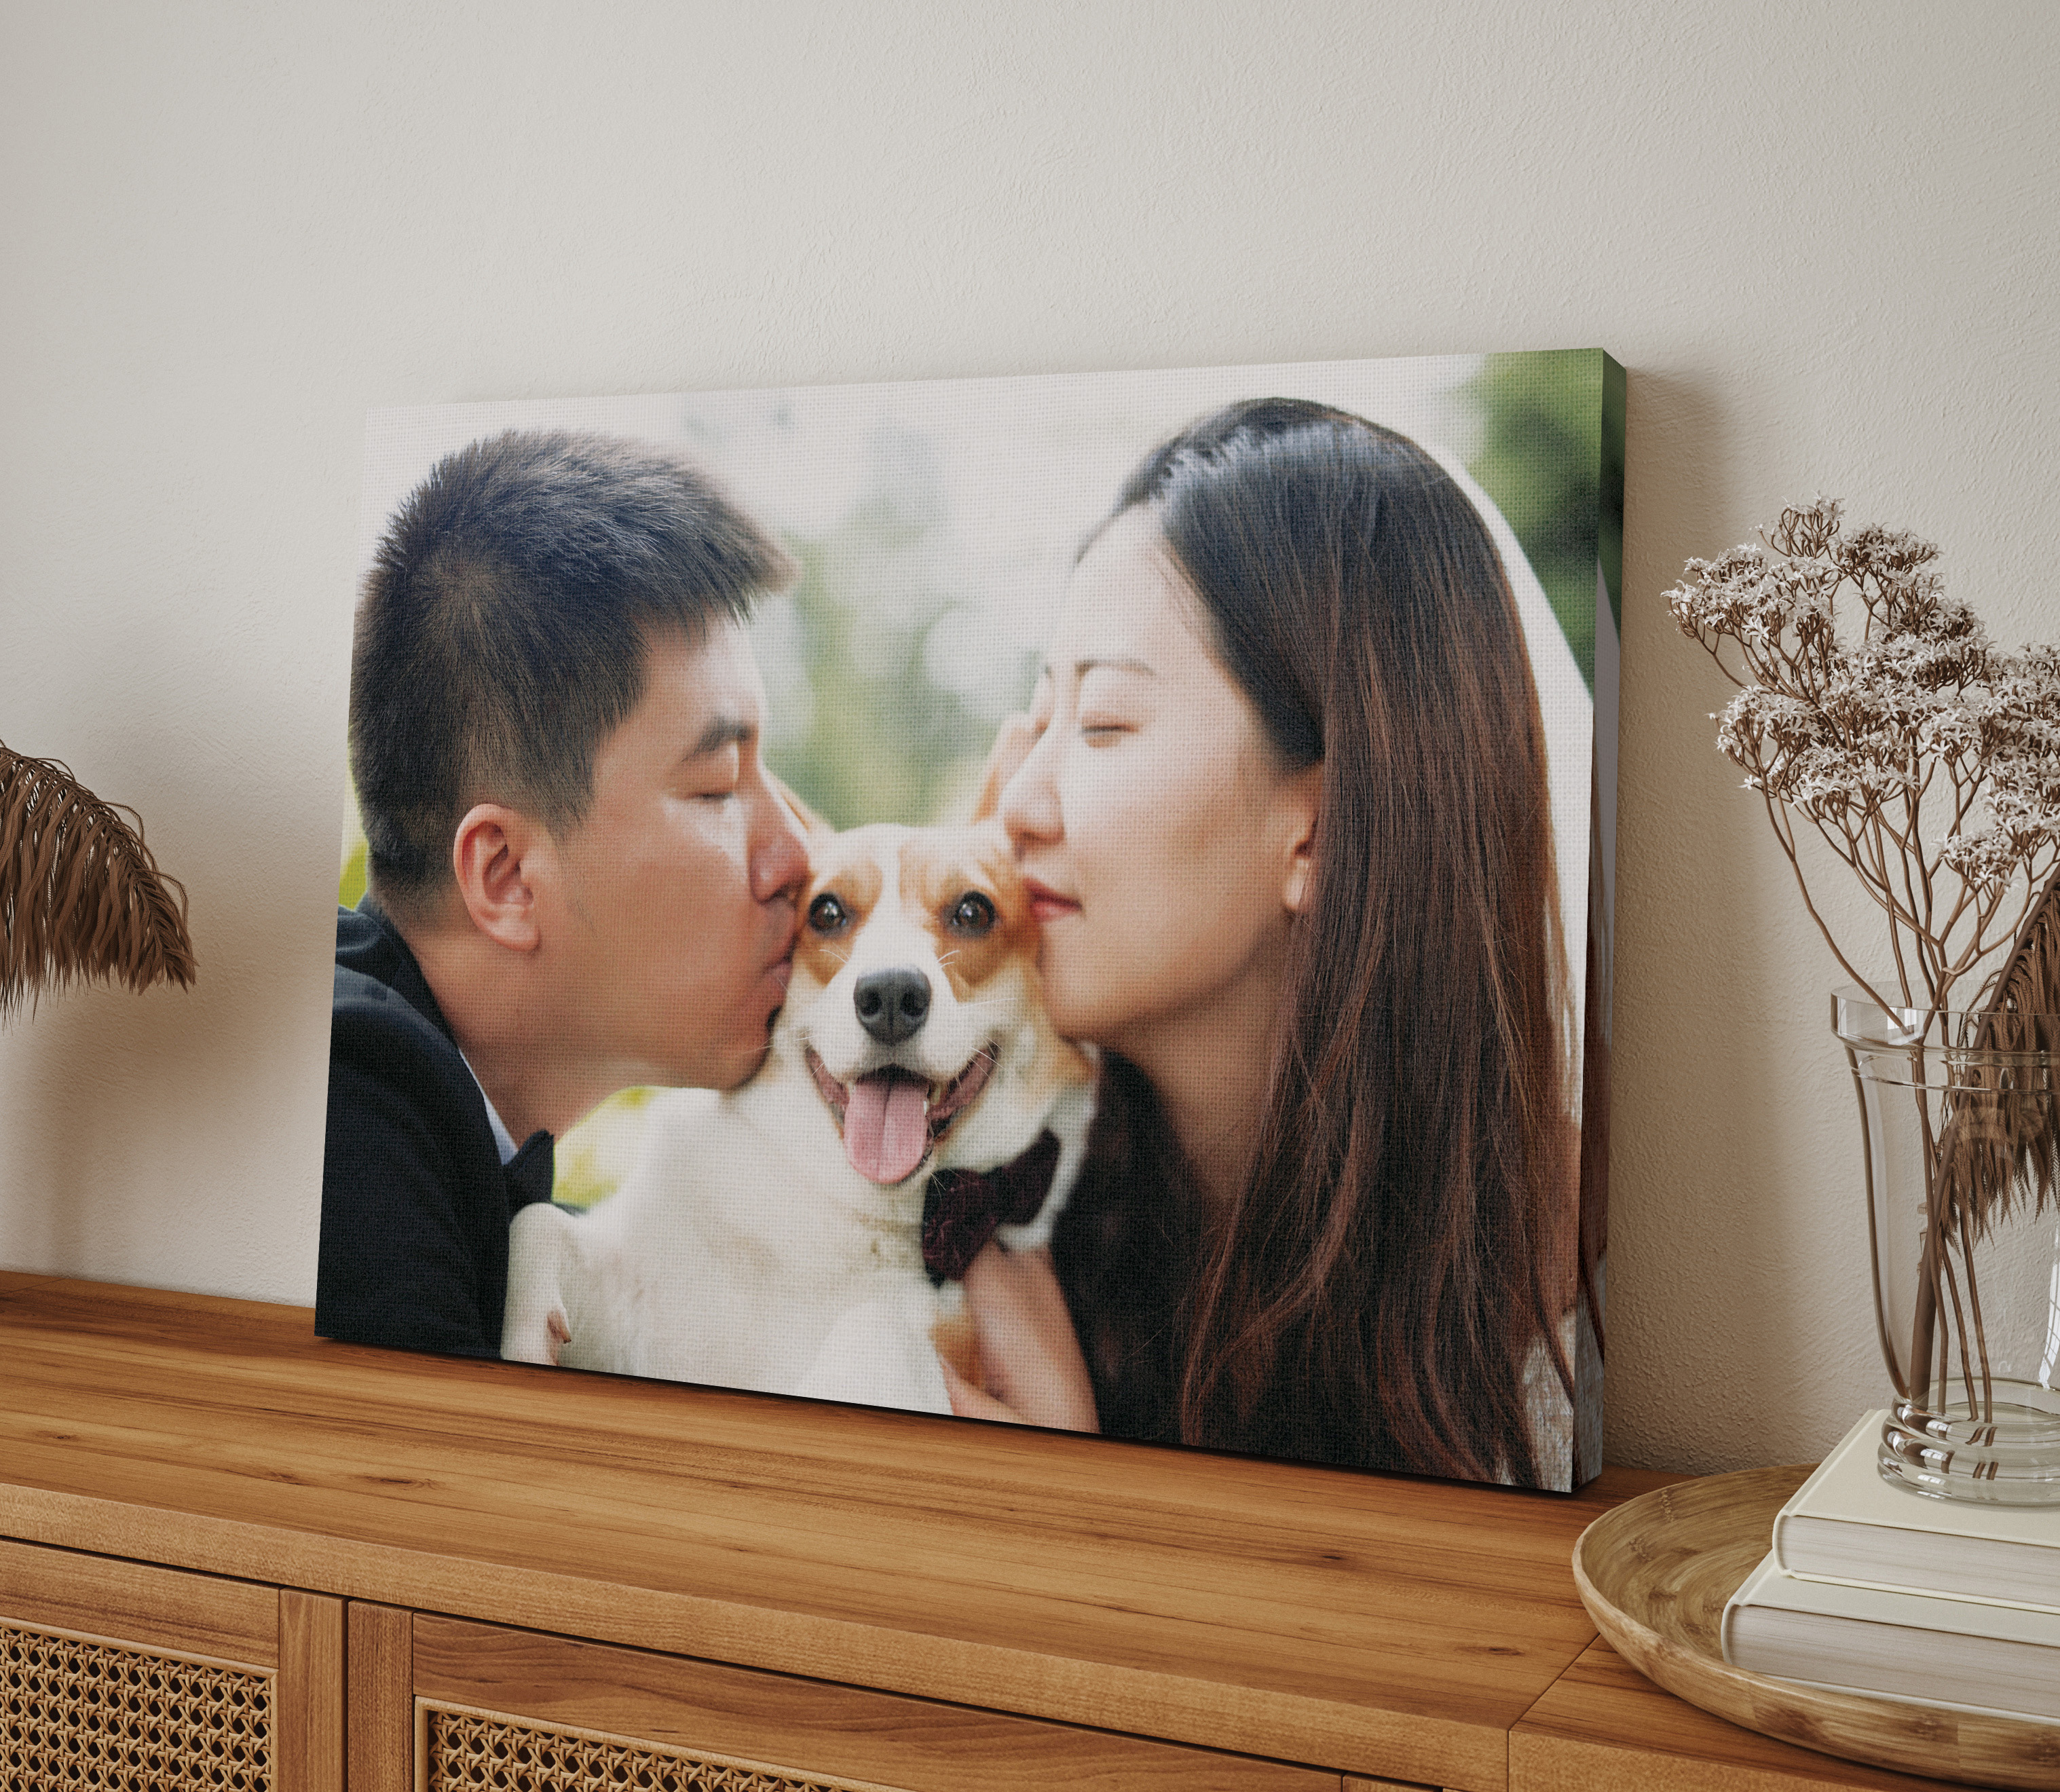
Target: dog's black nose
(892,1005)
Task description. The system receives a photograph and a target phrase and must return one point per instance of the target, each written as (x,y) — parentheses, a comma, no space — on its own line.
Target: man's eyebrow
(1119,662)
(724,731)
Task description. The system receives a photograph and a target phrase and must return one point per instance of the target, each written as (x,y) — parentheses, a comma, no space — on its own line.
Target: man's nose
(780,856)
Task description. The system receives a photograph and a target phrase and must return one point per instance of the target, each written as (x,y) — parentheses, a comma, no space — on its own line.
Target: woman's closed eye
(1105,704)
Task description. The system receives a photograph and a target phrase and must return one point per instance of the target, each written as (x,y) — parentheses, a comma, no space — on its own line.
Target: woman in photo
(1283,802)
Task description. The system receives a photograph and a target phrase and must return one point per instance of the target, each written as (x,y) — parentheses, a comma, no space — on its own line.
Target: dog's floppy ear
(811,822)
(1012,746)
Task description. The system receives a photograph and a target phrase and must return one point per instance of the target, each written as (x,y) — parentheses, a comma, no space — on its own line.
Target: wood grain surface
(381,1698)
(1355,1782)
(1604,1727)
(310,1695)
(1378,1625)
(129,1603)
(809,1726)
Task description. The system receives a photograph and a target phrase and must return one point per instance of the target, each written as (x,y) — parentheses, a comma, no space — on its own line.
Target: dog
(772,1237)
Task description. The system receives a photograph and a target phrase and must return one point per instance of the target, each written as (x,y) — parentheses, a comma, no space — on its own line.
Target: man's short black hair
(503,630)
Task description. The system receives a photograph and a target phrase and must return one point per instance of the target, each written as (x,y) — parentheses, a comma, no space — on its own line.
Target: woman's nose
(1029,806)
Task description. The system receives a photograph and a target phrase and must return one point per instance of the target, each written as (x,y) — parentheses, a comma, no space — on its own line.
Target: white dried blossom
(1805,531)
(1880,551)
(1869,697)
(1984,858)
(1929,658)
(1952,731)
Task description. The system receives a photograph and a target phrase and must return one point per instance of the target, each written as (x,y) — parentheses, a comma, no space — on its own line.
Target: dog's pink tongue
(886,1126)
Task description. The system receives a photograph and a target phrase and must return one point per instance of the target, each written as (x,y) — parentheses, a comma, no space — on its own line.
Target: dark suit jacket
(415,1201)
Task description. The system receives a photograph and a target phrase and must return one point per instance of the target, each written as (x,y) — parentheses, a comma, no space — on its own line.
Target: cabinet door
(462,1705)
(115,1673)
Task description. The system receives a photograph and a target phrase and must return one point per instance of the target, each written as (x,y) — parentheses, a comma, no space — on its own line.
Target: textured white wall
(1821,240)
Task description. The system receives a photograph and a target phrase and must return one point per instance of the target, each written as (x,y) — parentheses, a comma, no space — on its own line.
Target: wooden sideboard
(319,1566)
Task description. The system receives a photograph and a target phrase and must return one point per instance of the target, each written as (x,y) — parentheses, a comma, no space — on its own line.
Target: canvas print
(1081,901)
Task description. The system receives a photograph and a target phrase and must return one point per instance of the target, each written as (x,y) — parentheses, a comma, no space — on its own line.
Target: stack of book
(1871,1588)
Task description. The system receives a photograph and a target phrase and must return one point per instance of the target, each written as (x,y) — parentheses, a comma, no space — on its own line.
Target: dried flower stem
(1869,723)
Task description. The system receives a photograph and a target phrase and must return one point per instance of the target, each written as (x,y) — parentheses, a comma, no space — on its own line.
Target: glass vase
(1962,1142)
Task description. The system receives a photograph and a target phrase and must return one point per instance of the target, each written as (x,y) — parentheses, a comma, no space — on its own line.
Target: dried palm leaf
(2001,1143)
(80,895)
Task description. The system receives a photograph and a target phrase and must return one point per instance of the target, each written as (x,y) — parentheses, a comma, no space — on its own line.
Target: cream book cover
(1847,1523)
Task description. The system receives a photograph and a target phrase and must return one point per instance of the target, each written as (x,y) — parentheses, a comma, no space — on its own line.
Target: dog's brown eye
(972,913)
(827,914)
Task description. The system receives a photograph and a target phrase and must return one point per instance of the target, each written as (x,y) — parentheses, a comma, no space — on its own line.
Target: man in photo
(582,878)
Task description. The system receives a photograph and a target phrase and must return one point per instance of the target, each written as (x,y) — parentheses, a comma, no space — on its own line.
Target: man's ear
(1302,796)
(492,857)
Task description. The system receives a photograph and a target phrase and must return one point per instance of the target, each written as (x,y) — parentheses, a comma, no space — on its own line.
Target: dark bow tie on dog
(962,1209)
(530,1172)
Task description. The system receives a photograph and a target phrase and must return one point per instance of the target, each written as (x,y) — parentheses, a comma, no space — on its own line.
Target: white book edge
(1770,1587)
(1846,1523)
(1957,1595)
(2003,1644)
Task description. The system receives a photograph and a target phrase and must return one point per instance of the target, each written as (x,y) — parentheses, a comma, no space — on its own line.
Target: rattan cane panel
(488,1751)
(78,1714)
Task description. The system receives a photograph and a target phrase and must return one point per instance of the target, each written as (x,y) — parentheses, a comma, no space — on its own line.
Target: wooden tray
(1654,1575)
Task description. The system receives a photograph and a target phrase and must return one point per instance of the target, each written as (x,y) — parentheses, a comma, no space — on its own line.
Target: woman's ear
(1302,796)
(492,858)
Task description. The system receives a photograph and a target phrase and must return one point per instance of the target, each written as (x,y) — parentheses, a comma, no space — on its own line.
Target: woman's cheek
(1101,830)
(1076,951)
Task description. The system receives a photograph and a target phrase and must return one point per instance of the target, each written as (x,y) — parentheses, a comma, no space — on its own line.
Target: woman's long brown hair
(1404,1245)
